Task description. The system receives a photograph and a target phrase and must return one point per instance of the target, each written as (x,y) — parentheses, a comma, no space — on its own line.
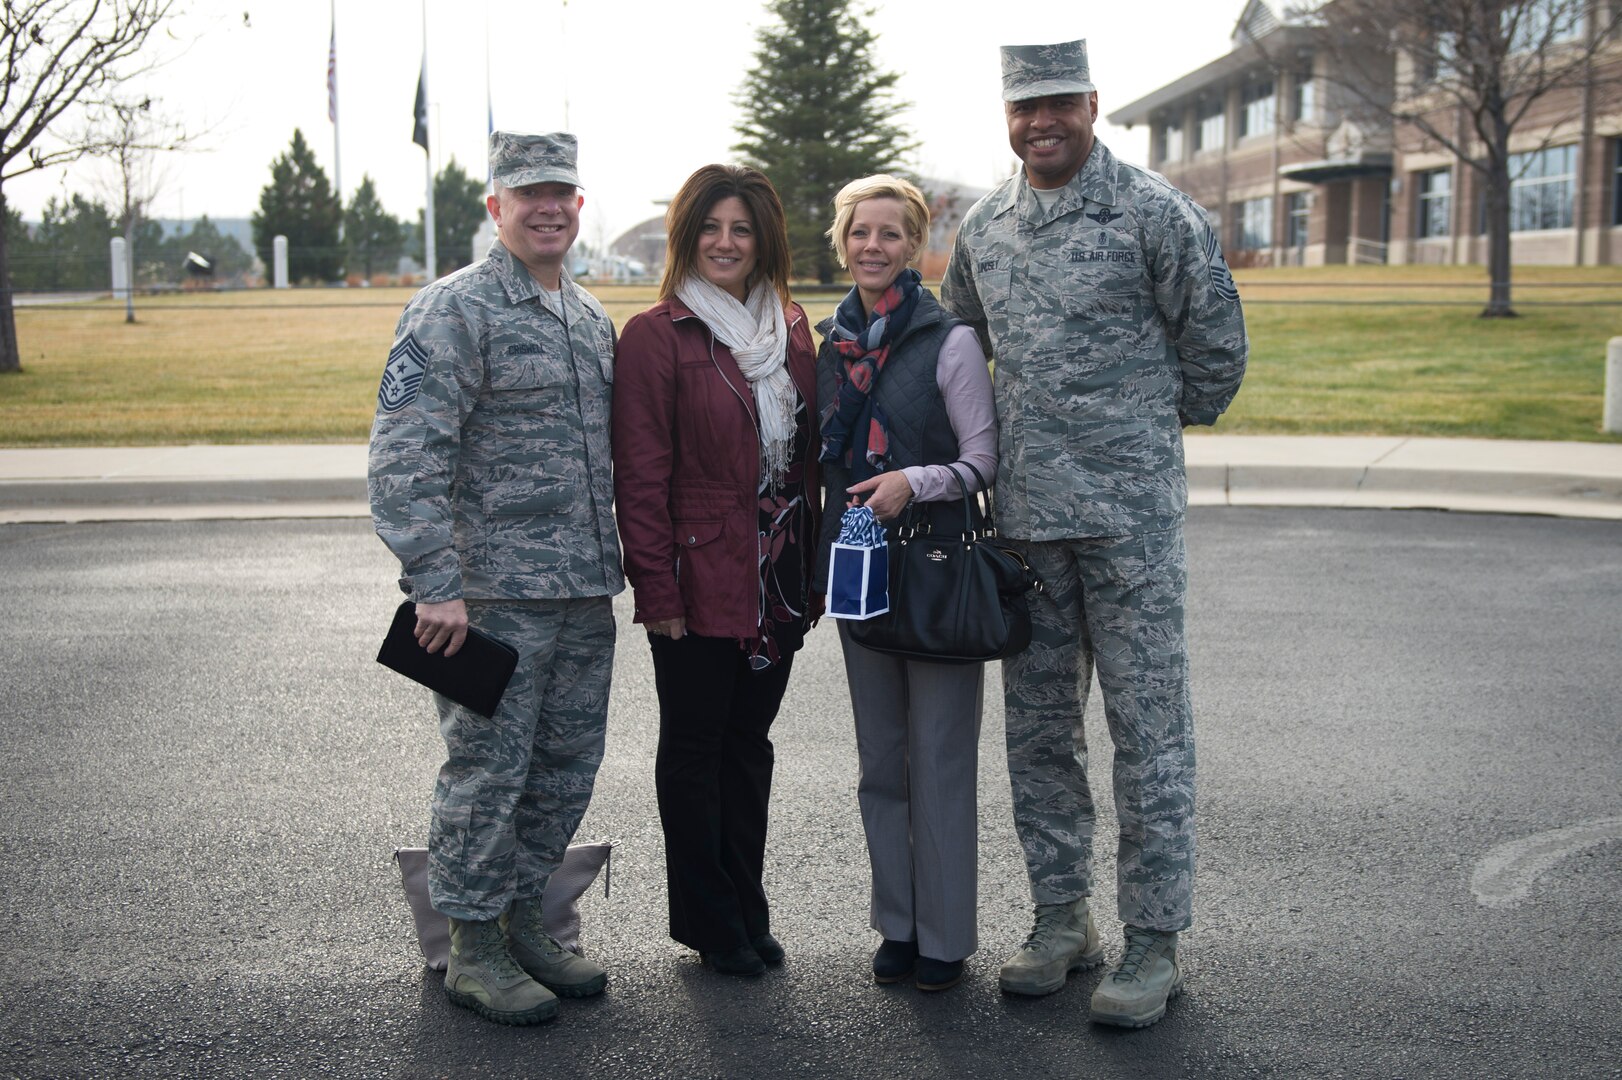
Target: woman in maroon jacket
(715,489)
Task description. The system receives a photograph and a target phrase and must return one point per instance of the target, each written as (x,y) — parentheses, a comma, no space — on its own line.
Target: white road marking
(1506,874)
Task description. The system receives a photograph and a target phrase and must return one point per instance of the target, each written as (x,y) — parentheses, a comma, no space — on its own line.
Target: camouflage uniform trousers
(1116,603)
(513,788)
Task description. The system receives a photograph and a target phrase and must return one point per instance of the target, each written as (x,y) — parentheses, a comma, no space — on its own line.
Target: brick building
(1295,170)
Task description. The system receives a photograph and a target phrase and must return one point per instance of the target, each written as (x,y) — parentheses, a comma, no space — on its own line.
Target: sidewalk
(172,483)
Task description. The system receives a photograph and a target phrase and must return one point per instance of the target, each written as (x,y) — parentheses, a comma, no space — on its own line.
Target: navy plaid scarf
(864,344)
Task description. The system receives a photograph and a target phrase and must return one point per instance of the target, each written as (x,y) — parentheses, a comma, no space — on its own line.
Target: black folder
(475,677)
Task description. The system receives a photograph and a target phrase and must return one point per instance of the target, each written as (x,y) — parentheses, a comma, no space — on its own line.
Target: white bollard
(482,239)
(1613,386)
(121,269)
(278,254)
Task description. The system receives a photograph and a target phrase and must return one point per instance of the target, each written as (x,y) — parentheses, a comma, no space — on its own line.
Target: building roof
(1364,163)
(1257,22)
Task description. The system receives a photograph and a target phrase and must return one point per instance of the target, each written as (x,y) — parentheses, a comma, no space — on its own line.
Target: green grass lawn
(1366,350)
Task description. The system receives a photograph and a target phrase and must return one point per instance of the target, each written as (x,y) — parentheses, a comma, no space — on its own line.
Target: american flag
(332,74)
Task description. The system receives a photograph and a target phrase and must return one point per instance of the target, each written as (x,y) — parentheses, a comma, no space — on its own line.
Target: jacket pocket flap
(1097,304)
(549,497)
(527,371)
(691,534)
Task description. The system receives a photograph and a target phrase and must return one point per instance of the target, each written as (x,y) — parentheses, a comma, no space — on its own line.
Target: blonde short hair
(914,209)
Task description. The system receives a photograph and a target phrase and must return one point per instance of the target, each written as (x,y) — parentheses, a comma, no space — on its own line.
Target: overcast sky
(647,85)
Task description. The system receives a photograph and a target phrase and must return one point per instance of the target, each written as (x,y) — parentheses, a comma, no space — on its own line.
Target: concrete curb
(28,494)
(1474,475)
(1582,480)
(182,483)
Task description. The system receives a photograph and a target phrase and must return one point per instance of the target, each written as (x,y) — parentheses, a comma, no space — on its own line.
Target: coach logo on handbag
(949,604)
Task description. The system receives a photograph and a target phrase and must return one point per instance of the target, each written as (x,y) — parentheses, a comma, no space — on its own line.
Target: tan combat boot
(1134,992)
(482,976)
(549,963)
(1063,940)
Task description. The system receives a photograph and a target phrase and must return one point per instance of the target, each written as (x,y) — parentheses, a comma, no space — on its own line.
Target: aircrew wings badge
(402,375)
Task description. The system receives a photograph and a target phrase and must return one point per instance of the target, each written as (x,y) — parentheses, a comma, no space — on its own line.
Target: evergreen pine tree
(298,203)
(458,212)
(372,233)
(73,244)
(818,113)
(25,265)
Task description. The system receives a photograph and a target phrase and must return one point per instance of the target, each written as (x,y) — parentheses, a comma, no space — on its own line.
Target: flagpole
(427,160)
(489,106)
(332,109)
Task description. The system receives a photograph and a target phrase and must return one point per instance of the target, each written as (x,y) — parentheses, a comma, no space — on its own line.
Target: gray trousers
(917,742)
(514,787)
(1115,604)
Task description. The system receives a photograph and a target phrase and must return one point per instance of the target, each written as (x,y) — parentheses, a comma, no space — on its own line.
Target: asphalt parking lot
(1410,738)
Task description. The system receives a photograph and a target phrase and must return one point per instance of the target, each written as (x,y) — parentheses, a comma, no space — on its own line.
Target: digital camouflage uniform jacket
(490,476)
(1112,320)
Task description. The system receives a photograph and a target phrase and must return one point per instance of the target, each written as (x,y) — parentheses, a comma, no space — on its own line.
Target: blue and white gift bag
(859,569)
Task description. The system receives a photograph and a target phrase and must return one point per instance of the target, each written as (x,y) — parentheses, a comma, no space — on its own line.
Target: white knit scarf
(758,337)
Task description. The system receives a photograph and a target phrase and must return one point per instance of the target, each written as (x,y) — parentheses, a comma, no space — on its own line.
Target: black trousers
(714,778)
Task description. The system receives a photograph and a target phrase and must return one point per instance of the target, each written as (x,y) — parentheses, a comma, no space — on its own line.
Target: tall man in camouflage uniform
(490,480)
(1102,295)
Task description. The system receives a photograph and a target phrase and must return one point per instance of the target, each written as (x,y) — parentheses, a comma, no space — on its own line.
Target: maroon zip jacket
(687,469)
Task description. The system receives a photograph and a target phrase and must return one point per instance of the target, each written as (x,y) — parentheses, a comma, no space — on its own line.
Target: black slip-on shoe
(740,961)
(894,960)
(768,948)
(938,974)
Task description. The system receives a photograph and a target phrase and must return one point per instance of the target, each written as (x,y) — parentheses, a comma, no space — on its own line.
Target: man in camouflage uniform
(1101,293)
(490,480)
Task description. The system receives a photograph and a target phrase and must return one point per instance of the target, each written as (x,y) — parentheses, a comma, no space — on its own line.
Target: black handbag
(956,597)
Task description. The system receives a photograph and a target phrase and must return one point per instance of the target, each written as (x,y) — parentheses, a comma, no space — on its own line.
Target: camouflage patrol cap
(1033,71)
(518,158)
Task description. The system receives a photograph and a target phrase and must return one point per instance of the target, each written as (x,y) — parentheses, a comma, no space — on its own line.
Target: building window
(1545,22)
(1171,143)
(1306,96)
(1299,207)
(1435,210)
(1616,186)
(1254,228)
(1541,187)
(1447,55)
(1260,111)
(1212,133)
(1436,59)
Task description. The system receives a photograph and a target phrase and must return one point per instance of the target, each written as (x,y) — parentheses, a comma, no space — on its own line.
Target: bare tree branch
(61,55)
(66,61)
(1408,67)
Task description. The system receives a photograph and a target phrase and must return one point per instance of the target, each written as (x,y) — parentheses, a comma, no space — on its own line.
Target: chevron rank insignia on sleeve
(402,375)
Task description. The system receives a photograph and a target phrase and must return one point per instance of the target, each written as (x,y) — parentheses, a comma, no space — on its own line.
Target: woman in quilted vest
(907,402)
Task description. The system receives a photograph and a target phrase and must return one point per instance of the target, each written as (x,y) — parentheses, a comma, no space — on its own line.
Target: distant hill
(241,228)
